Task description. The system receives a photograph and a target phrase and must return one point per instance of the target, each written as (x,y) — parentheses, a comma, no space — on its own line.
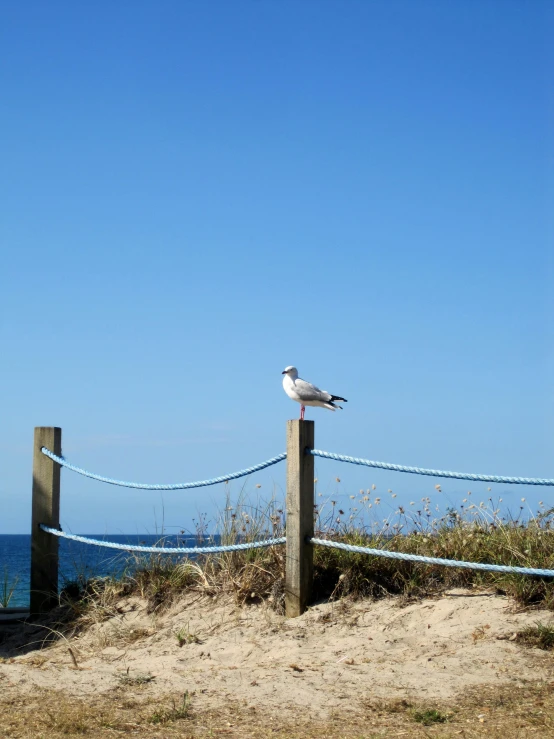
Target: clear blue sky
(195,195)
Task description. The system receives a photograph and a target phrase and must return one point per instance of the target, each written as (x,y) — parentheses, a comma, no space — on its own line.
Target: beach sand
(338,661)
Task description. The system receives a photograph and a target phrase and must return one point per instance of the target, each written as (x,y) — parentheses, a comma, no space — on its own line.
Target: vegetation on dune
(476,533)
(7,588)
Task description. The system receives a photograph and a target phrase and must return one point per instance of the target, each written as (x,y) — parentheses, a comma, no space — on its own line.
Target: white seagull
(307,394)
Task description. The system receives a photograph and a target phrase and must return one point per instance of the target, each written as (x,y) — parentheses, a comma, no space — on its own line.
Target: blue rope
(315,453)
(432,560)
(163,550)
(176,486)
(320,542)
(431,473)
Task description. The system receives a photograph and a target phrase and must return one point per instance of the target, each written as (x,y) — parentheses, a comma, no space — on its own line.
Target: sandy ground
(331,658)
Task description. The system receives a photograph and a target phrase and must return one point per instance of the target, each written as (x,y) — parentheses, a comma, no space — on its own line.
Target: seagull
(307,394)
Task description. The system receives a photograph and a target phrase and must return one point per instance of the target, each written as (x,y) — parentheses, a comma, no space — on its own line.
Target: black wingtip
(337,397)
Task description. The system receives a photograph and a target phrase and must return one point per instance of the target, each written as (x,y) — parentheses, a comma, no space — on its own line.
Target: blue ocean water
(76,560)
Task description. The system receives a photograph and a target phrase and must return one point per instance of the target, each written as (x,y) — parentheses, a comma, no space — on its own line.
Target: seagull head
(291,372)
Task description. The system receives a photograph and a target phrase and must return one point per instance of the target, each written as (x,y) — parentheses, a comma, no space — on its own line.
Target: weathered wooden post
(300,517)
(46,510)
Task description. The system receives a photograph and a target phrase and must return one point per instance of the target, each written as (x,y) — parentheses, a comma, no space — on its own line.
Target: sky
(196,195)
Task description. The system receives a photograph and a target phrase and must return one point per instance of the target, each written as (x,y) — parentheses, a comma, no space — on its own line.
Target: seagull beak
(284,372)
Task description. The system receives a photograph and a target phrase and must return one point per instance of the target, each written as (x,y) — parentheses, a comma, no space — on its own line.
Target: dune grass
(477,533)
(7,587)
(471,533)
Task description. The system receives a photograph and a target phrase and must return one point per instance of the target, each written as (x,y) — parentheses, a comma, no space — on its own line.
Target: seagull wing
(307,392)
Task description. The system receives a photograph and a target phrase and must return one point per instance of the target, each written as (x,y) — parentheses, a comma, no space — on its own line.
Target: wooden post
(300,517)
(46,510)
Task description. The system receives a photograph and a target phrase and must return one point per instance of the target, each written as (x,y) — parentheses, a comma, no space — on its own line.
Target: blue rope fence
(320,542)
(163,550)
(431,473)
(432,560)
(176,486)
(316,453)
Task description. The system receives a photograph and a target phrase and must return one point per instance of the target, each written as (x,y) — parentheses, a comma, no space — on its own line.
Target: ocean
(77,561)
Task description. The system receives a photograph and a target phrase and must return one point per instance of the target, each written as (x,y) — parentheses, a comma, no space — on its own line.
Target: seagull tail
(332,406)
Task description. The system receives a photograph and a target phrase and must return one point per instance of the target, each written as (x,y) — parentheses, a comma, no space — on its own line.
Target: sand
(331,658)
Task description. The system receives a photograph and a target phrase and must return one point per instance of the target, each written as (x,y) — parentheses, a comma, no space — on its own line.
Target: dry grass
(497,713)
(473,533)
(540,636)
(250,576)
(7,587)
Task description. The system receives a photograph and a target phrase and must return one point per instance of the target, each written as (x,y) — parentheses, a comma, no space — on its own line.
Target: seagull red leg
(302,409)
